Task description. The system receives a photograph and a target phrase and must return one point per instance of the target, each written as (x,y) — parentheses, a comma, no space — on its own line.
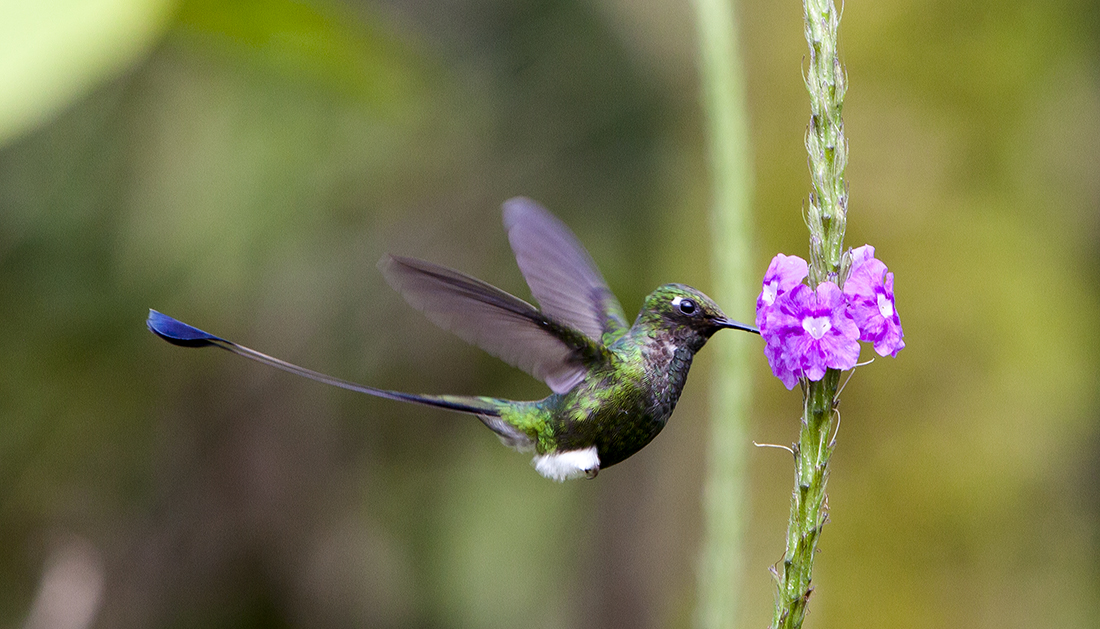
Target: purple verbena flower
(870,292)
(808,331)
(784,273)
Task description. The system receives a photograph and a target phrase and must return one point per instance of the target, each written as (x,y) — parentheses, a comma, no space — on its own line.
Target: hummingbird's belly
(618,415)
(624,440)
(617,432)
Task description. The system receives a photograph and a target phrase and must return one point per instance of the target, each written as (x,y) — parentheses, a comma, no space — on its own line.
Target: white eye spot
(684,305)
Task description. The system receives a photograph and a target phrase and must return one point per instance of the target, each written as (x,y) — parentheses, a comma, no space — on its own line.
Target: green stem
(825,142)
(731,175)
(809,502)
(826,218)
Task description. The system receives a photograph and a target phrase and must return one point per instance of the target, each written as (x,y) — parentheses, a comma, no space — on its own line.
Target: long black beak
(737,325)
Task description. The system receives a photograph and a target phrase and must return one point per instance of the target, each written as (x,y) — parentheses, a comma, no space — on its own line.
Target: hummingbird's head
(685,313)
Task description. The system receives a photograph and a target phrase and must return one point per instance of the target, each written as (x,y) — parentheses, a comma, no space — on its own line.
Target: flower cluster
(810,330)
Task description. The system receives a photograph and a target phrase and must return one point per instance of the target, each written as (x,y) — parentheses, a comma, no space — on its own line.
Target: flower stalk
(809,502)
(825,143)
(826,218)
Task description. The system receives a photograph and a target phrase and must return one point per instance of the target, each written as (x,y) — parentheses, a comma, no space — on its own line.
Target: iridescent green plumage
(614,387)
(622,404)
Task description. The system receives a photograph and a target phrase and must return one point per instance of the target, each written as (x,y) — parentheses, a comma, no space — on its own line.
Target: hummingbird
(614,386)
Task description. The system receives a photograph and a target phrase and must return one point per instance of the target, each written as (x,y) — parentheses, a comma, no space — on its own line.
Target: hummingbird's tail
(179,333)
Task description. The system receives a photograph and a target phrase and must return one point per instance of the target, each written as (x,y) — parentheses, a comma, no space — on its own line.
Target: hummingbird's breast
(622,409)
(667,365)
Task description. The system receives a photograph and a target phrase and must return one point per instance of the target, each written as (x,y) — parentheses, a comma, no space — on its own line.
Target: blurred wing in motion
(561,274)
(503,325)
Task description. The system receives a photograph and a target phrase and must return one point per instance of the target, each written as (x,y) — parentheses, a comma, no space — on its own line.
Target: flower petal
(870,292)
(784,273)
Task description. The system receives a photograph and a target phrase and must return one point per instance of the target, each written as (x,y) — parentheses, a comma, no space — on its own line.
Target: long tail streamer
(179,333)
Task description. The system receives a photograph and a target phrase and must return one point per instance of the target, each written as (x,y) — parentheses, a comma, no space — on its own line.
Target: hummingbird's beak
(736,325)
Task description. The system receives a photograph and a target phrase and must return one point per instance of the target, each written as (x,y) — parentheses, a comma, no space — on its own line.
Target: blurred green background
(243,164)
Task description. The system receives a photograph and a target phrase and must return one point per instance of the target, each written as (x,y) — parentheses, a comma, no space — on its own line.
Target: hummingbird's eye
(685,306)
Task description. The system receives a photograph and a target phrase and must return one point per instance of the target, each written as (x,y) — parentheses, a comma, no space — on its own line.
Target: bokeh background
(243,164)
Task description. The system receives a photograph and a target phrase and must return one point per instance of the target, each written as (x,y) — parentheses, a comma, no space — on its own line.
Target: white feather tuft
(563,466)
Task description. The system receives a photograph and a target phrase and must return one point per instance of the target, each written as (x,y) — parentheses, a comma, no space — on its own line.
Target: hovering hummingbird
(614,386)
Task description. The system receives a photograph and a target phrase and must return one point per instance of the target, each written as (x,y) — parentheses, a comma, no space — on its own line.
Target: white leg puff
(569,464)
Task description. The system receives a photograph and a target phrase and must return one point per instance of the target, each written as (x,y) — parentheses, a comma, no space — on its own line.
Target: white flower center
(817,327)
(769,292)
(885,307)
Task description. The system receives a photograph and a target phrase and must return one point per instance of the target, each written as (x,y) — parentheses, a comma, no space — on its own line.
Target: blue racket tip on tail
(178,332)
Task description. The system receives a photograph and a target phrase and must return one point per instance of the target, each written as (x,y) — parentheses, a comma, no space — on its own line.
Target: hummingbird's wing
(561,274)
(503,325)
